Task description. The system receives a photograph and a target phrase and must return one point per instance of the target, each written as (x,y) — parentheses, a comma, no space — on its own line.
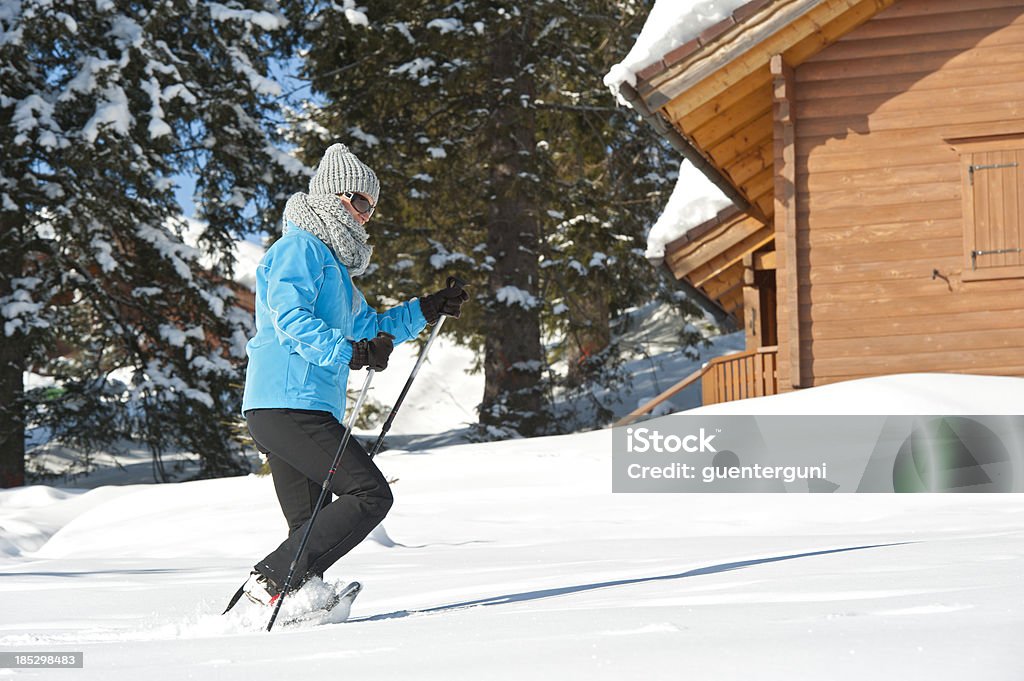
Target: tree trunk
(12,418)
(12,369)
(512,360)
(591,311)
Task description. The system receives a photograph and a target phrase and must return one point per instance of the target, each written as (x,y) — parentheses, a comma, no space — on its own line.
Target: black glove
(372,353)
(448,301)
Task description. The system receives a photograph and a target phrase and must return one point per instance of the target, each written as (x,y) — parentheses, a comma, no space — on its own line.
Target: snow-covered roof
(694,201)
(671,24)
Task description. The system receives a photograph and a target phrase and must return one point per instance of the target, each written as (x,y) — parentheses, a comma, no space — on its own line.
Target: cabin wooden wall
(879,189)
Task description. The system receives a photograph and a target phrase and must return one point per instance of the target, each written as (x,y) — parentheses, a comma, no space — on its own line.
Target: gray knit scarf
(324,216)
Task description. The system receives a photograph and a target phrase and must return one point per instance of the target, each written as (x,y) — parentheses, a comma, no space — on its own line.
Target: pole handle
(453,280)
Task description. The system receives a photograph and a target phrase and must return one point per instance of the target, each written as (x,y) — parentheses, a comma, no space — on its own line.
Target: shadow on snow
(579,588)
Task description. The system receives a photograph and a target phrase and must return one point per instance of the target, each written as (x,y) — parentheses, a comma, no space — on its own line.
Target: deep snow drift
(513,560)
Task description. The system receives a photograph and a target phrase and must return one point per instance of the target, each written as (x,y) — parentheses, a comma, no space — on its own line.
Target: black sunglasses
(360,203)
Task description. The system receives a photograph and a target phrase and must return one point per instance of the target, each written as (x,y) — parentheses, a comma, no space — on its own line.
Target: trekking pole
(415,370)
(405,390)
(323,494)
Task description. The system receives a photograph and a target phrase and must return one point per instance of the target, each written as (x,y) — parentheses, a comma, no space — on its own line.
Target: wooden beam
(719,241)
(739,144)
(733,118)
(715,288)
(759,158)
(764,261)
(701,297)
(733,303)
(765,205)
(766,202)
(761,183)
(682,144)
(724,284)
(737,253)
(722,261)
(823,36)
(751,304)
(786,210)
(701,232)
(760,78)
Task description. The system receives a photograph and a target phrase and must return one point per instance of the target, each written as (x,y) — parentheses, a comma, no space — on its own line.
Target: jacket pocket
(297,372)
(324,382)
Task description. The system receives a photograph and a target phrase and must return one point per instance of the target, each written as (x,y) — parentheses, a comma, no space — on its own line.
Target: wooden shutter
(995,225)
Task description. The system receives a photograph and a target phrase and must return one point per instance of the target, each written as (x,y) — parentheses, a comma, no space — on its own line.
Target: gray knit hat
(341,171)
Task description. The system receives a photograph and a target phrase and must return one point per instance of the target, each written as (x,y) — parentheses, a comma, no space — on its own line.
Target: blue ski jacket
(307,312)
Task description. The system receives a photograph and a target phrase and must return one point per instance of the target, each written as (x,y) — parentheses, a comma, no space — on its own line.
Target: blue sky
(186,186)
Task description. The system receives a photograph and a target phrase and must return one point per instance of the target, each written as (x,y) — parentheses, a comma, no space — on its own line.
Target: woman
(309,316)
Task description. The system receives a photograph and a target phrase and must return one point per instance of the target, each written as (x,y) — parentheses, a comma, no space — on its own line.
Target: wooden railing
(737,377)
(723,379)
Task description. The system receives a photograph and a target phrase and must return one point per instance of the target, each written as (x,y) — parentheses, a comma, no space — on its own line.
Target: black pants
(300,446)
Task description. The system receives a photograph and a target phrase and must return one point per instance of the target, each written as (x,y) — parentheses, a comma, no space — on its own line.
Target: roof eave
(681,144)
(718,46)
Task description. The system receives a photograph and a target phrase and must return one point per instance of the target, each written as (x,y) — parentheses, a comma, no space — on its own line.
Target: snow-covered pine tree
(504,158)
(102,105)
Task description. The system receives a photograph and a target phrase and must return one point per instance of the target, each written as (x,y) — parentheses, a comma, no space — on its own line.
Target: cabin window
(993,208)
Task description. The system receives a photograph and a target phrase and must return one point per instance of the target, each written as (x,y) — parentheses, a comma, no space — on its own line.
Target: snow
(164,241)
(33,112)
(158,127)
(181,92)
(694,200)
(160,382)
(288,162)
(650,336)
(265,20)
(443,398)
(445,25)
(947,394)
(513,560)
(356,15)
(443,258)
(360,134)
(69,23)
(513,295)
(259,83)
(177,337)
(415,67)
(17,310)
(127,34)
(247,257)
(671,24)
(112,112)
(246,254)
(103,251)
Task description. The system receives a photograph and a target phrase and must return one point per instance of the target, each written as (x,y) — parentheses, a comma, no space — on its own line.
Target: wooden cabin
(875,153)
